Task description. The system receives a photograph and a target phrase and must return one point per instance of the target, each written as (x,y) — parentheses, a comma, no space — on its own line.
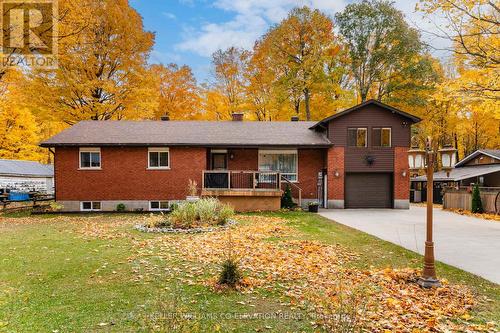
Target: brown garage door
(368,190)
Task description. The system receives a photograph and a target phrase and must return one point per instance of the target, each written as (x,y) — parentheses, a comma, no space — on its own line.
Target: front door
(219,161)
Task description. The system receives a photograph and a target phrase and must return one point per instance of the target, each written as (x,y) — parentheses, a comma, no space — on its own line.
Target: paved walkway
(465,242)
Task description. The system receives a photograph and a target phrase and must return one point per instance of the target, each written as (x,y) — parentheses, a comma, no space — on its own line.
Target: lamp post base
(428,282)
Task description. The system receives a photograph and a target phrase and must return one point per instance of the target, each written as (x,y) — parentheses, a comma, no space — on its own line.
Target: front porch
(244,190)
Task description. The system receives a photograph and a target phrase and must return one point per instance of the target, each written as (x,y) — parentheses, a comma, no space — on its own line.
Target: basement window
(158,205)
(89,206)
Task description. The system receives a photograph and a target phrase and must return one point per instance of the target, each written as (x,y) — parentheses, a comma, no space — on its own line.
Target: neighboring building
(26,176)
(482,167)
(354,159)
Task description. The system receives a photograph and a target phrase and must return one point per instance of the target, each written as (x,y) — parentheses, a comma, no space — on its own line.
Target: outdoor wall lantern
(403,173)
(369,159)
(337,174)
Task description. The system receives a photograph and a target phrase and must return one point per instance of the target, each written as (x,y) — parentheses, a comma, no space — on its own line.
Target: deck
(245,190)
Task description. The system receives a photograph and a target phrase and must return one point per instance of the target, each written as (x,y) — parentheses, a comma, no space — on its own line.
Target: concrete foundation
(130,205)
(401,204)
(336,204)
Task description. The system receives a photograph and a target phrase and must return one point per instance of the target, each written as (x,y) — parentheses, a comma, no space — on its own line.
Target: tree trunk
(456,147)
(364,93)
(297,107)
(306,100)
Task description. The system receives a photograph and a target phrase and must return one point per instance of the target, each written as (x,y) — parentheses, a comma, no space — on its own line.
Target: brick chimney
(165,117)
(237,116)
(295,118)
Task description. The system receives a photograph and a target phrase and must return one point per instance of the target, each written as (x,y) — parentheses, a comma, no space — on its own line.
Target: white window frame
(357,129)
(92,209)
(159,204)
(390,136)
(89,150)
(159,150)
(278,152)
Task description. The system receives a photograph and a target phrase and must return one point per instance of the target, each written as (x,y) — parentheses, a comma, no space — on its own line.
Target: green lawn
(58,275)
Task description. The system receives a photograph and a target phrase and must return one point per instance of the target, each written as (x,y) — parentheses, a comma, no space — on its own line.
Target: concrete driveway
(469,243)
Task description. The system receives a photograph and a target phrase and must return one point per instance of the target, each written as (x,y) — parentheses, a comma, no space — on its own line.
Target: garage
(368,190)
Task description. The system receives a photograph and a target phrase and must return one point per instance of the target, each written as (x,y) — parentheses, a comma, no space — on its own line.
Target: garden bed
(170,230)
(204,215)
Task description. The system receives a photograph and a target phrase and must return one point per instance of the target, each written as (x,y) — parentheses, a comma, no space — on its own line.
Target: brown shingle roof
(189,133)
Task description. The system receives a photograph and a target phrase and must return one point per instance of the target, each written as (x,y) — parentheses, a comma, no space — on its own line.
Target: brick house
(354,159)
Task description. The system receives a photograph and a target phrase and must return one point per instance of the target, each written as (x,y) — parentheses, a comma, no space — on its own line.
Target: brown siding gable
(411,118)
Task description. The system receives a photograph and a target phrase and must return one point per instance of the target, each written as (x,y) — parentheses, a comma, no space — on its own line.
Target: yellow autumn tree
(229,80)
(260,90)
(178,92)
(474,32)
(299,50)
(19,132)
(214,104)
(102,72)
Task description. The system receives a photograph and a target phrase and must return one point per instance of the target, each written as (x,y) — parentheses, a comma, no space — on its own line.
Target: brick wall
(401,184)
(124,175)
(311,161)
(244,159)
(335,163)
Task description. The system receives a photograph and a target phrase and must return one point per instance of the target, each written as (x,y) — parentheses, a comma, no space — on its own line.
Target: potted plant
(192,191)
(313,207)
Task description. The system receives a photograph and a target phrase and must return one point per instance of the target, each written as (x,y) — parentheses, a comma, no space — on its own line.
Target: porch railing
(241,180)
